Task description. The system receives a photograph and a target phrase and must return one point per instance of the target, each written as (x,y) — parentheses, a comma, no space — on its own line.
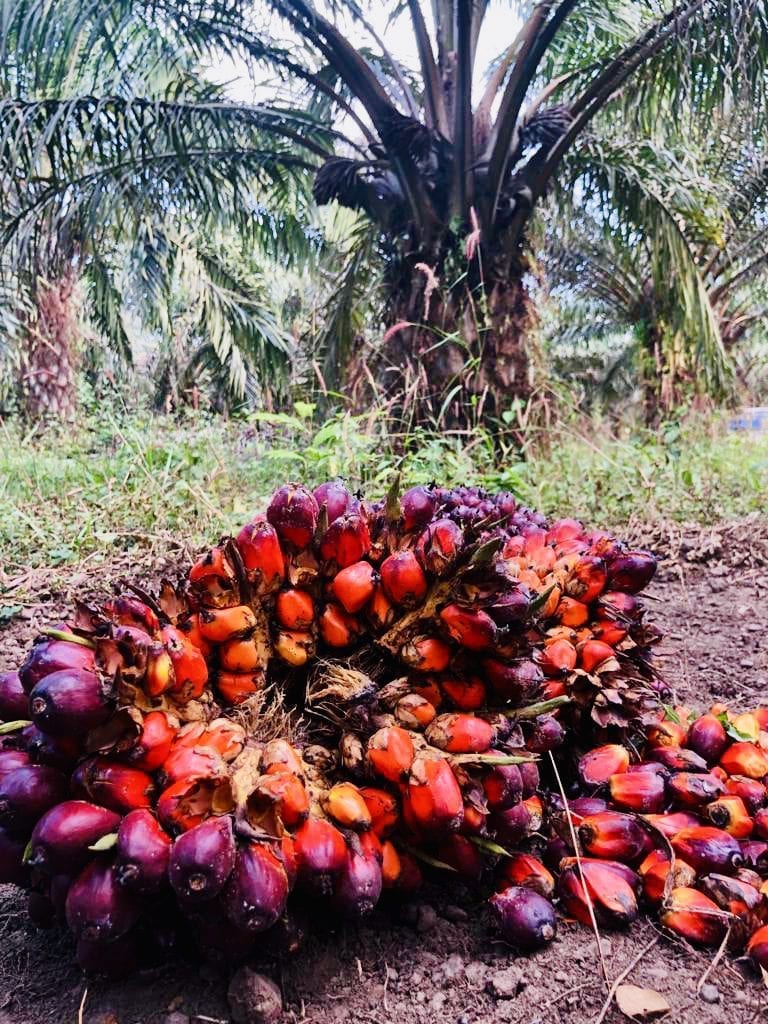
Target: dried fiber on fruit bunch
(156,781)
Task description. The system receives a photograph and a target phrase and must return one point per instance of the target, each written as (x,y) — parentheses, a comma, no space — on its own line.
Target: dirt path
(435,962)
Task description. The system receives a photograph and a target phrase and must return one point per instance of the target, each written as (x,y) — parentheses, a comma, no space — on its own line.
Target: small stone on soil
(710,993)
(253,998)
(506,984)
(456,914)
(426,918)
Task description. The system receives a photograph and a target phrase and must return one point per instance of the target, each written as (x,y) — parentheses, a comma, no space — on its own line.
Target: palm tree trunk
(48,382)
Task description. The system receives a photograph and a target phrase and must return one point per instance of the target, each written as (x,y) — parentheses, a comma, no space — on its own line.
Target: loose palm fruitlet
(351,693)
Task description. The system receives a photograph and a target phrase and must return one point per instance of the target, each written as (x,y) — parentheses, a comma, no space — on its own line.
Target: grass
(140,481)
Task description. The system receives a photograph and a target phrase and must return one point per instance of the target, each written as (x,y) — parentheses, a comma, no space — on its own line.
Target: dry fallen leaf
(641,1003)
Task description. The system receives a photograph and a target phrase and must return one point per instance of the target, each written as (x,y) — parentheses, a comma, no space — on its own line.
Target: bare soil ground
(435,961)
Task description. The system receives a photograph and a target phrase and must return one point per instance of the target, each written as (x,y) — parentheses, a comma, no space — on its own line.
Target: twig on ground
(619,978)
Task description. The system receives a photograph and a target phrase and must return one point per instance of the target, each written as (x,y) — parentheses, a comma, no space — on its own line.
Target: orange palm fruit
(225,736)
(460,734)
(757,947)
(280,756)
(611,894)
(240,655)
(751,791)
(432,800)
(474,821)
(391,865)
(558,658)
(666,733)
(570,612)
(190,669)
(694,789)
(708,849)
(237,687)
(213,579)
(159,676)
(761,714)
(472,628)
(294,647)
(465,694)
(707,736)
(153,744)
(730,813)
(346,805)
(638,791)
(426,654)
(593,654)
(286,793)
(428,688)
(744,758)
(218,625)
(414,712)
(694,916)
(526,870)
(293,512)
(189,802)
(610,633)
(553,688)
(403,579)
(262,555)
(587,579)
(746,725)
(190,627)
(353,586)
(193,763)
(337,628)
(380,612)
(654,872)
(730,894)
(535,808)
(391,753)
(383,808)
(599,765)
(615,836)
(670,824)
(294,609)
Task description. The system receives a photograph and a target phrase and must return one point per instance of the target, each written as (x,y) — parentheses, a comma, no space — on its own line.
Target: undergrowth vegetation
(115,482)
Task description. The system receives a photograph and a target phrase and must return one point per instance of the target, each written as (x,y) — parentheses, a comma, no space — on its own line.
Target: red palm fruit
(289,858)
(345,804)
(391,753)
(346,540)
(511,607)
(593,654)
(558,658)
(189,802)
(438,546)
(518,681)
(745,758)
(474,821)
(153,745)
(761,823)
(49,656)
(694,789)
(27,793)
(426,654)
(677,759)
(295,609)
(694,916)
(279,756)
(757,947)
(262,556)
(293,512)
(357,887)
(414,712)
(512,824)
(432,798)
(631,571)
(70,703)
(670,824)
(410,879)
(159,676)
(13,698)
(213,579)
(654,872)
(707,737)
(472,628)
(572,613)
(751,791)
(503,786)
(638,791)
(466,694)
(218,625)
(202,860)
(525,918)
(528,871)
(761,714)
(418,506)
(612,896)
(353,586)
(383,809)
(755,853)
(54,751)
(131,611)
(614,835)
(428,688)
(10,760)
(113,960)
(391,865)
(708,849)
(587,579)
(337,628)
(142,853)
(13,870)
(618,606)
(380,612)
(257,890)
(547,734)
(286,793)
(335,497)
(564,530)
(460,734)
(462,855)
(649,767)
(192,763)
(730,894)
(599,765)
(97,908)
(529,773)
(117,786)
(61,839)
(242,655)
(608,633)
(730,813)
(403,579)
(190,670)
(294,648)
(584,806)
(321,854)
